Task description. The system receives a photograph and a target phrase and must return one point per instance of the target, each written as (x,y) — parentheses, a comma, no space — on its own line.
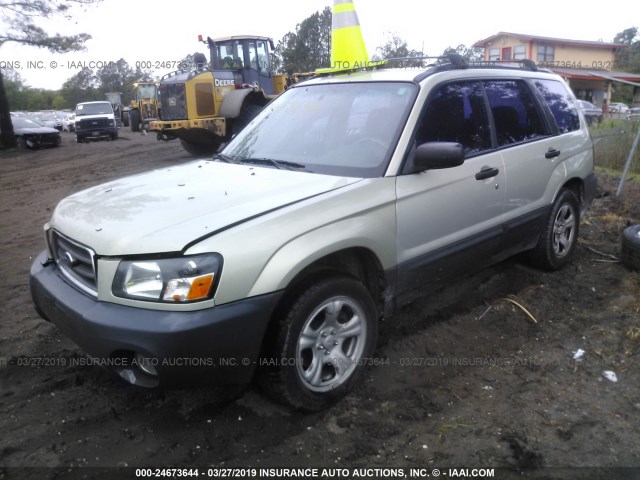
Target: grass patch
(613,140)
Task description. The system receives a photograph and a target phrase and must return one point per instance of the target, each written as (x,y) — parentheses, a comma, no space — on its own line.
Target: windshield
(230,55)
(146,91)
(337,129)
(93,108)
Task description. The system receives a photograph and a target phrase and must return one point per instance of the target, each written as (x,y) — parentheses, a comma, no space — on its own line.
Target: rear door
(533,148)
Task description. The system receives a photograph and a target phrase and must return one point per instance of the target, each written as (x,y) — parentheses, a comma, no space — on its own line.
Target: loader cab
(249,57)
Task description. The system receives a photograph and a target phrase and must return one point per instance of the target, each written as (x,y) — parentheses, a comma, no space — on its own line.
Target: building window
(494,54)
(520,52)
(546,53)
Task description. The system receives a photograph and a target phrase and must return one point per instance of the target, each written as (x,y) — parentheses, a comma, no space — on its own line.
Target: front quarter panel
(265,254)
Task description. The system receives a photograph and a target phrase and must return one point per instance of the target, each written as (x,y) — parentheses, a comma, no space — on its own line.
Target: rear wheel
(559,236)
(134,119)
(321,343)
(200,149)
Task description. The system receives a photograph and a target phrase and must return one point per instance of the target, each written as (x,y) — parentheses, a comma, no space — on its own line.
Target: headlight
(171,280)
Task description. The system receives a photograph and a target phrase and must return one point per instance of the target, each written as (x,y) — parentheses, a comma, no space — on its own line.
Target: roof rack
(525,64)
(451,59)
(458,62)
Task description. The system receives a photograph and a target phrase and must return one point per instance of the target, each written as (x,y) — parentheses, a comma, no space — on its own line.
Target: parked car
(617,107)
(31,134)
(95,120)
(592,114)
(344,199)
(50,121)
(634,113)
(69,122)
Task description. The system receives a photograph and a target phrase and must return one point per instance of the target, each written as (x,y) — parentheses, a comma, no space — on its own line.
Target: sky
(155,32)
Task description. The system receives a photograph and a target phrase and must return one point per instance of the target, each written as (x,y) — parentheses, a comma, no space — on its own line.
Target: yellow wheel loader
(145,108)
(205,106)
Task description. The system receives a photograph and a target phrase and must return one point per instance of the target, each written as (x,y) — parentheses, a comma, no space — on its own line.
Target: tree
(306,49)
(628,58)
(120,77)
(396,48)
(470,54)
(18,19)
(81,87)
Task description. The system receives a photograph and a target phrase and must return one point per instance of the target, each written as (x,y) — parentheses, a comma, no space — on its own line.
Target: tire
(631,247)
(134,119)
(247,114)
(200,149)
(329,327)
(79,139)
(125,119)
(559,237)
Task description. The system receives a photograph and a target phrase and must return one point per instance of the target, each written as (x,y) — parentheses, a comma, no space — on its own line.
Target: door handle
(487,172)
(551,153)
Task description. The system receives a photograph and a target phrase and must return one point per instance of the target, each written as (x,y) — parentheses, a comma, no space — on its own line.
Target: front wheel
(200,149)
(323,340)
(559,236)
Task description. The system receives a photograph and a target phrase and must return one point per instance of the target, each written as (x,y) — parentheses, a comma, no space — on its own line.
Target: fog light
(146,364)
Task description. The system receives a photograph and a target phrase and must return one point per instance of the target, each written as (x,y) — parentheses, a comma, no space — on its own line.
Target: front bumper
(216,345)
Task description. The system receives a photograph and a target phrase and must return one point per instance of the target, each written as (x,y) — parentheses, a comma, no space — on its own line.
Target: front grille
(50,139)
(93,123)
(173,101)
(75,261)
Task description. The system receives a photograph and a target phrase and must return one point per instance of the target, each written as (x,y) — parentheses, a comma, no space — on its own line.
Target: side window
(560,103)
(456,113)
(515,114)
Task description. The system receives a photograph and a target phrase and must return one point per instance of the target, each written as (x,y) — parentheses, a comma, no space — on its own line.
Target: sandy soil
(466,378)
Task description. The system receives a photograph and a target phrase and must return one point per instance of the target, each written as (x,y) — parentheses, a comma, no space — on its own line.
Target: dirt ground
(466,379)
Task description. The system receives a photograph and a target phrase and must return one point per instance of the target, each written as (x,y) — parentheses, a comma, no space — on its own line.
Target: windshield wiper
(274,163)
(222,158)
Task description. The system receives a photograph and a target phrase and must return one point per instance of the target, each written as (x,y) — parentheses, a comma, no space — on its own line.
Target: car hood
(164,210)
(34,130)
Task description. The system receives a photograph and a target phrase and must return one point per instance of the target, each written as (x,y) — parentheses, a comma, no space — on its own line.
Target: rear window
(561,104)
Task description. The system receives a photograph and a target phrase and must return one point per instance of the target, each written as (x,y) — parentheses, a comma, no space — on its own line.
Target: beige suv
(344,198)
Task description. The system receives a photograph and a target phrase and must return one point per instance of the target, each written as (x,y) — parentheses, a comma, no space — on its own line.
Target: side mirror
(437,155)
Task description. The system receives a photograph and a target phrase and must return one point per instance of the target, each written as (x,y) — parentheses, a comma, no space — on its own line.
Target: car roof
(416,75)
